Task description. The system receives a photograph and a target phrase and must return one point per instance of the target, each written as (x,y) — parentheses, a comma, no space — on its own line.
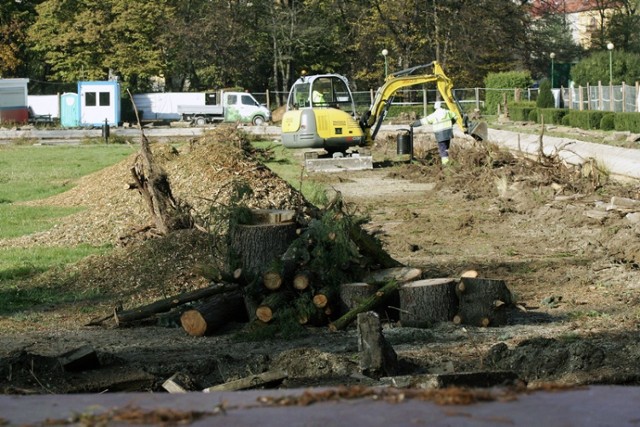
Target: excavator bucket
(479,131)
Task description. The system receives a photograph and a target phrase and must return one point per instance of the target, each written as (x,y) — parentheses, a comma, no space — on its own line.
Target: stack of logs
(323,275)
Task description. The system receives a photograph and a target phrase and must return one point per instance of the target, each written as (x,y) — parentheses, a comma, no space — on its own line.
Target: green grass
(31,173)
(36,172)
(17,220)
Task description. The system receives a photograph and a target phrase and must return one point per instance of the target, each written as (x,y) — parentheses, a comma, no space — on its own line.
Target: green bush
(607,121)
(533,115)
(552,116)
(627,122)
(520,111)
(507,80)
(545,97)
(583,119)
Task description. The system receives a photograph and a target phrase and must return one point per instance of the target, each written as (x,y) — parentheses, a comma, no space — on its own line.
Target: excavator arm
(383,100)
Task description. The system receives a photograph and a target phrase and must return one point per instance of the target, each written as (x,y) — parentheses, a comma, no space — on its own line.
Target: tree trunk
(425,302)
(259,245)
(167,304)
(482,302)
(377,356)
(209,316)
(353,294)
(368,304)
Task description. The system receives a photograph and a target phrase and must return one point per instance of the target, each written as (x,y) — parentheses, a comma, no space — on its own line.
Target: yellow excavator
(321,112)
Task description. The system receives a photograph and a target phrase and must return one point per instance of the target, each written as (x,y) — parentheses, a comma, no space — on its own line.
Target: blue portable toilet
(99,102)
(69,110)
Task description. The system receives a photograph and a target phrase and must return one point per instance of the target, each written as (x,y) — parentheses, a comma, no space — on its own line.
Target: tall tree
(15,19)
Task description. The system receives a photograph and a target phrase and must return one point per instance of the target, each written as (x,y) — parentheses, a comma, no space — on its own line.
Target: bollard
(105,131)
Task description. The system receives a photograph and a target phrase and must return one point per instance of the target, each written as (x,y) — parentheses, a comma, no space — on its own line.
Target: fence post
(371,96)
(611,106)
(600,96)
(637,96)
(424,101)
(268,102)
(477,98)
(588,97)
(624,98)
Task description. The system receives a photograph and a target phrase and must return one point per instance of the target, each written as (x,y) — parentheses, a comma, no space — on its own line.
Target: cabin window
(248,100)
(90,99)
(105,99)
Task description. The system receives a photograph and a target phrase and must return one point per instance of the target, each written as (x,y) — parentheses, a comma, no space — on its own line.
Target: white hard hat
(437,105)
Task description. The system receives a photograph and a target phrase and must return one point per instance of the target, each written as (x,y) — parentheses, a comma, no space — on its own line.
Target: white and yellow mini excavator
(321,112)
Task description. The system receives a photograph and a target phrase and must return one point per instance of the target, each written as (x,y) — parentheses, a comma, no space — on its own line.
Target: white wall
(164,106)
(45,104)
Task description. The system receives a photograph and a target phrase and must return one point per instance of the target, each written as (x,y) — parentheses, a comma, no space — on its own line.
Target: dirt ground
(572,266)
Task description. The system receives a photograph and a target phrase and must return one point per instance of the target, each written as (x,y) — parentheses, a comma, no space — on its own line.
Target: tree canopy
(260,44)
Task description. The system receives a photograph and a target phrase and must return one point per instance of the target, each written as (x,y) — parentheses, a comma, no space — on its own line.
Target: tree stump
(482,302)
(353,294)
(425,302)
(258,245)
(214,313)
(399,274)
(377,356)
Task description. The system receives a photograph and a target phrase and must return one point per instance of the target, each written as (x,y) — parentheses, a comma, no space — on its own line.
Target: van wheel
(201,121)
(258,121)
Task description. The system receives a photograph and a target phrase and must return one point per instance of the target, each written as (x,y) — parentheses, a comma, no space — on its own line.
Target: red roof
(539,7)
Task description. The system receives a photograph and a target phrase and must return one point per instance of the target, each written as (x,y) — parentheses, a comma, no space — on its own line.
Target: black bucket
(404,143)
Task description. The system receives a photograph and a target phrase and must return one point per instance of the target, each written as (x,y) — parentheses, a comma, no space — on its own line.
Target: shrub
(520,111)
(627,121)
(583,119)
(507,80)
(551,115)
(545,97)
(607,121)
(533,115)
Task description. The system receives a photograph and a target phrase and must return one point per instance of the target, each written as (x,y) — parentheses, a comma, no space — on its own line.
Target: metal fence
(617,98)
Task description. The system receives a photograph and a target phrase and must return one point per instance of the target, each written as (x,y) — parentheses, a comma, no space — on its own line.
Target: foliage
(625,67)
(520,111)
(551,115)
(627,122)
(504,80)
(15,19)
(584,119)
(545,97)
(608,121)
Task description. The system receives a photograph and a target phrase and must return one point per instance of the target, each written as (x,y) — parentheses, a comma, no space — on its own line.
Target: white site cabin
(99,102)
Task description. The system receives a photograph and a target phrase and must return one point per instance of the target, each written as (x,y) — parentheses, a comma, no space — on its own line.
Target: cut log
(272,280)
(266,310)
(252,381)
(301,281)
(469,273)
(426,302)
(377,356)
(371,248)
(482,302)
(368,304)
(211,315)
(273,216)
(399,274)
(145,311)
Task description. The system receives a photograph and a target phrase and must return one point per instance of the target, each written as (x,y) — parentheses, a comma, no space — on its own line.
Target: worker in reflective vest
(442,121)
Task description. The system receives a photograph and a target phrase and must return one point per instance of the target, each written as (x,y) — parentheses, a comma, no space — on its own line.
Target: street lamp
(610,47)
(552,56)
(385,52)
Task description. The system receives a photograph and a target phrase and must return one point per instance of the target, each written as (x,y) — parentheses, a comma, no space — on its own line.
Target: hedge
(627,122)
(552,116)
(583,119)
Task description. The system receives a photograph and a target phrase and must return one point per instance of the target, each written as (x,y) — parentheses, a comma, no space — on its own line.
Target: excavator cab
(321,114)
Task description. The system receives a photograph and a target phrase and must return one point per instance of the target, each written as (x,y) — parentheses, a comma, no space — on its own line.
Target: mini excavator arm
(409,77)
